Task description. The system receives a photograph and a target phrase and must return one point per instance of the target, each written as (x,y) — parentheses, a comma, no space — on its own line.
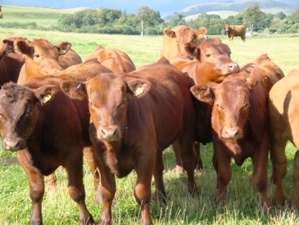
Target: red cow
(283,111)
(134,117)
(45,130)
(181,39)
(114,59)
(10,62)
(240,123)
(211,63)
(42,58)
(235,31)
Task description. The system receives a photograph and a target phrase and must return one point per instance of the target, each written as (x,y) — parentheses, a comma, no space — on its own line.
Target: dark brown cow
(283,111)
(114,59)
(181,39)
(235,31)
(42,58)
(134,117)
(45,130)
(211,62)
(240,123)
(10,62)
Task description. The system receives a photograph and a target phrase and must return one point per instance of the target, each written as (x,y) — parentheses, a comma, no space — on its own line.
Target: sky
(165,7)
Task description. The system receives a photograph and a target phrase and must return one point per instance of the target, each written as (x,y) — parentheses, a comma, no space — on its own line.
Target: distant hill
(267,6)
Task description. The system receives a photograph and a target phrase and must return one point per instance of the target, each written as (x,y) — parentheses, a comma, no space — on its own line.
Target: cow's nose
(233,67)
(109,133)
(231,133)
(11,144)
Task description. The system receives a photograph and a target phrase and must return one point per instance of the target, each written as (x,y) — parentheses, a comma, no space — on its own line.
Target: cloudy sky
(165,7)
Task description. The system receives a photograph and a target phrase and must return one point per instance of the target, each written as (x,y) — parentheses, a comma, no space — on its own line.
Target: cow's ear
(201,32)
(74,89)
(24,48)
(169,33)
(138,87)
(63,47)
(46,93)
(253,77)
(203,93)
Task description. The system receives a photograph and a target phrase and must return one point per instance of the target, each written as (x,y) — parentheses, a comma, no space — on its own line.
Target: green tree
(148,17)
(176,19)
(254,17)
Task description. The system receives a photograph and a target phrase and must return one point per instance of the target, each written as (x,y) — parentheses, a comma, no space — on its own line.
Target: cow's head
(18,113)
(186,39)
(42,56)
(231,102)
(214,58)
(108,97)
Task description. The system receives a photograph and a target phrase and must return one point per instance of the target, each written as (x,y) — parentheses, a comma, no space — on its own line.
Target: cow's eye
(208,55)
(90,103)
(219,106)
(37,56)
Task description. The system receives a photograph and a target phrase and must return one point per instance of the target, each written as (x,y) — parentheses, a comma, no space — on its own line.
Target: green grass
(242,204)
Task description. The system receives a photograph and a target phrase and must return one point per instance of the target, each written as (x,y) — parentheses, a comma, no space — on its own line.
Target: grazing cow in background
(10,62)
(283,111)
(114,59)
(42,58)
(181,39)
(240,122)
(235,31)
(211,63)
(134,118)
(43,125)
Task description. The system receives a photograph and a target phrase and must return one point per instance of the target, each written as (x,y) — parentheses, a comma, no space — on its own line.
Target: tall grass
(242,205)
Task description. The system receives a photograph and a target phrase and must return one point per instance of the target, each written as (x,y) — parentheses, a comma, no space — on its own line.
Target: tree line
(149,22)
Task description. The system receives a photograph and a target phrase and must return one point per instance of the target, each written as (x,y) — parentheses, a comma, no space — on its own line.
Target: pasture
(242,205)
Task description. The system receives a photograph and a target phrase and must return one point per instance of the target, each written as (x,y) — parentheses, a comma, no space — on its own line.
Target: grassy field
(242,204)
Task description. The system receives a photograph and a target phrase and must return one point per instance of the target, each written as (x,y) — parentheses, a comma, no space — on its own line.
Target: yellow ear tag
(138,91)
(46,98)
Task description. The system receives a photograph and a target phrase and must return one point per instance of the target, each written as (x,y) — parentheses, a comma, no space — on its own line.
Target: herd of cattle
(56,108)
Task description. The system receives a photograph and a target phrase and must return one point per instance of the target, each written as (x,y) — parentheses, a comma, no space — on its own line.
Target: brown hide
(240,122)
(283,111)
(235,31)
(181,39)
(45,136)
(136,116)
(114,59)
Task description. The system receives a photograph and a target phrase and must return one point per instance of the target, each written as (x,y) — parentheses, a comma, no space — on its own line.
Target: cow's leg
(259,176)
(196,148)
(142,192)
(178,161)
(36,186)
(188,159)
(88,156)
(295,195)
(74,168)
(158,174)
(279,164)
(224,172)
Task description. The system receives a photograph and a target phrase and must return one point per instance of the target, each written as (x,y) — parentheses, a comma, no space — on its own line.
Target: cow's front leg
(142,192)
(160,189)
(259,177)
(36,187)
(76,189)
(224,173)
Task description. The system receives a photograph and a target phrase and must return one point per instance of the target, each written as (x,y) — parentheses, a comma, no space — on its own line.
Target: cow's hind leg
(76,189)
(158,174)
(295,194)
(279,164)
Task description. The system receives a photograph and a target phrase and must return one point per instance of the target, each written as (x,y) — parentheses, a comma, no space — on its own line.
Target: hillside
(267,6)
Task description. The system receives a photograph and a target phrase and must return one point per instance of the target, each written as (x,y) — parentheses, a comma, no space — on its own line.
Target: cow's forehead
(232,90)
(10,93)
